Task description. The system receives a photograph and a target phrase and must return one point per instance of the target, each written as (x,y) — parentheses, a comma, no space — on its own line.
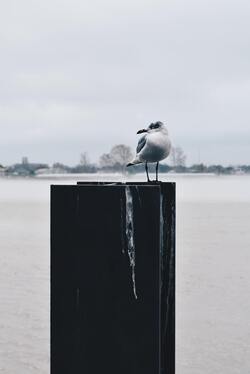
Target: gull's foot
(154,181)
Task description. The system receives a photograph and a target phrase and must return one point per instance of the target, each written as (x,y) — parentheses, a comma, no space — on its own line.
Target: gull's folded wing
(141,143)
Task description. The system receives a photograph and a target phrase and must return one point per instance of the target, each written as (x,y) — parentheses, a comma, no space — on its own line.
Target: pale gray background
(83,75)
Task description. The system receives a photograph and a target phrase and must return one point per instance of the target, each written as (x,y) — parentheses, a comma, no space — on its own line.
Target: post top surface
(117,184)
(151,183)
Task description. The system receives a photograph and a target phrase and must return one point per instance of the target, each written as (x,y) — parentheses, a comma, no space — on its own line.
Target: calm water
(213,282)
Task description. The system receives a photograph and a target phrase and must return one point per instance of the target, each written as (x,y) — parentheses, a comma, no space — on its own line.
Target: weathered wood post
(113,278)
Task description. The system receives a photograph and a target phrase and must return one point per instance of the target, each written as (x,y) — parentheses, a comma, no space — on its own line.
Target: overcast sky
(81,75)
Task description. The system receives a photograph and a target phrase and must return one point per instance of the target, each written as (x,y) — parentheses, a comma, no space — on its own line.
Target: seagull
(153,146)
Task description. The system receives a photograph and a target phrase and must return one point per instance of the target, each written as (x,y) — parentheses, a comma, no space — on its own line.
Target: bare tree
(121,154)
(117,158)
(84,159)
(178,157)
(105,160)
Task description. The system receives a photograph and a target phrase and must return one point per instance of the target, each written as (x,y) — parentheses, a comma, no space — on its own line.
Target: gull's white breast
(157,147)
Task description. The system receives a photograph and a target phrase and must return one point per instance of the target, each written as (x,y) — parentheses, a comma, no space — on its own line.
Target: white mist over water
(213,283)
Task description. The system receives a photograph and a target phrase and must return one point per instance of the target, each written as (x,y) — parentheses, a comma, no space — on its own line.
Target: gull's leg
(156,171)
(146,168)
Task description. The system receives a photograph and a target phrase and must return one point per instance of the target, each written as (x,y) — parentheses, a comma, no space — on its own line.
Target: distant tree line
(116,160)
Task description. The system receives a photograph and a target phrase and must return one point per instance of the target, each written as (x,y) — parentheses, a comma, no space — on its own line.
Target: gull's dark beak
(141,131)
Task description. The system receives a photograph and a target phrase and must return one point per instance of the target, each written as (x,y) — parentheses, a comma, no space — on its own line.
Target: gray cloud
(79,76)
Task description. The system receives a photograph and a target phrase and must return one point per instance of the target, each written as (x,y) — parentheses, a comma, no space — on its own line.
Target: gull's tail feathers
(134,162)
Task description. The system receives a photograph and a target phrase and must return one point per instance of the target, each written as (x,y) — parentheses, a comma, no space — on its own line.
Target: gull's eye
(155,125)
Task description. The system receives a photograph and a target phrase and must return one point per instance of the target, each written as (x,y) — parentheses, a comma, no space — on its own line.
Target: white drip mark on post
(130,234)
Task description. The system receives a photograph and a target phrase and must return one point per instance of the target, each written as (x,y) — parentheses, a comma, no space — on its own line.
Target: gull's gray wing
(141,143)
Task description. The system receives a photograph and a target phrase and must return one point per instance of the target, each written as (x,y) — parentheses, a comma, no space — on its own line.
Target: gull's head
(154,127)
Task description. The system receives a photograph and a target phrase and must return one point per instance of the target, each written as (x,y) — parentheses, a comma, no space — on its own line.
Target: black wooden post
(113,278)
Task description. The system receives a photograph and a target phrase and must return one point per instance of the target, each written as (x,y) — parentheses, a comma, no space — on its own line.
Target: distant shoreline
(93,176)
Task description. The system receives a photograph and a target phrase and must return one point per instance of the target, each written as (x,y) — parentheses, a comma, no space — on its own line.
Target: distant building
(25,168)
(239,170)
(43,171)
(25,161)
(2,170)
